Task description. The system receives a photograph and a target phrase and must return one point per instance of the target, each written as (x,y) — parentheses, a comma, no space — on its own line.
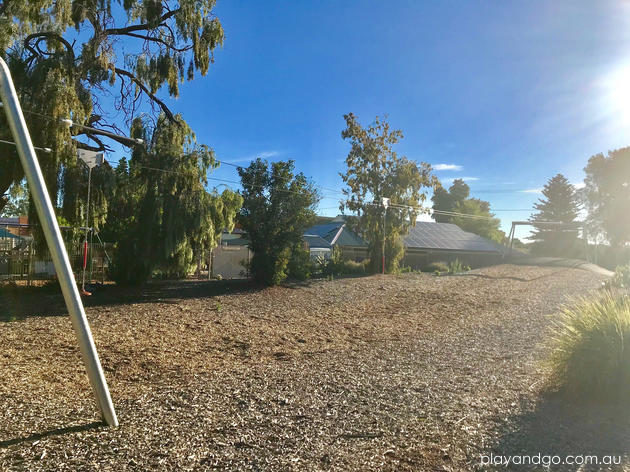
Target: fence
(21,260)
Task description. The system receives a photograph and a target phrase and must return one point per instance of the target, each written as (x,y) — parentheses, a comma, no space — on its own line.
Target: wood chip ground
(409,372)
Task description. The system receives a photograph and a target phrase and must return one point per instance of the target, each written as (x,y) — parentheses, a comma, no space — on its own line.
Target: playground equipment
(46,214)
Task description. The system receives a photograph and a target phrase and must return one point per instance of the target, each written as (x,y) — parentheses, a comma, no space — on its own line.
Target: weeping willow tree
(98,63)
(164,215)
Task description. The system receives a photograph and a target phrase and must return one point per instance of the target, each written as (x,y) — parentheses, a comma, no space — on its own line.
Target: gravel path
(410,372)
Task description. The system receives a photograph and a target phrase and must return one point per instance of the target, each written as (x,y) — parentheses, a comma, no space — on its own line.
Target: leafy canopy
(278,206)
(375,171)
(100,63)
(607,195)
(163,214)
(456,199)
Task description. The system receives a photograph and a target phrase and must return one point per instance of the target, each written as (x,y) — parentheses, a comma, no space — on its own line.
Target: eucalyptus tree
(375,171)
(98,63)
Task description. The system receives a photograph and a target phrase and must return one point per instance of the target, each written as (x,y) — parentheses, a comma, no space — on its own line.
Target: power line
(46,149)
(137,141)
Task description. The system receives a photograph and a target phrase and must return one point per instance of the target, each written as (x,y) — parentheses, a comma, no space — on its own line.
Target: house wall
(227,261)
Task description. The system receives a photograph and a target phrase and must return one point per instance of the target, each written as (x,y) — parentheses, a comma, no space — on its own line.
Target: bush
(621,279)
(353,268)
(456,267)
(300,266)
(436,267)
(591,359)
(337,265)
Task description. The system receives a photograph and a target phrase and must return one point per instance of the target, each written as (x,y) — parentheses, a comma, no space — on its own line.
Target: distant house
(336,233)
(317,246)
(16,225)
(9,240)
(426,242)
(430,242)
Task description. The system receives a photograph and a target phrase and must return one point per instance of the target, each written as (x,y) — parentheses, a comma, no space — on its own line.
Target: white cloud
(532,190)
(262,155)
(579,185)
(447,167)
(465,179)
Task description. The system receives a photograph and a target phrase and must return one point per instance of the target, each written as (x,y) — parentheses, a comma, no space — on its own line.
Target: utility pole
(385,205)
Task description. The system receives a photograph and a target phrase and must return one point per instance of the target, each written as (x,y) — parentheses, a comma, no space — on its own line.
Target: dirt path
(409,372)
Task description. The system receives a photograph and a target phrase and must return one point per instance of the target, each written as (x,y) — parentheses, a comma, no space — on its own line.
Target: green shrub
(352,268)
(337,265)
(621,279)
(436,267)
(300,266)
(456,266)
(591,356)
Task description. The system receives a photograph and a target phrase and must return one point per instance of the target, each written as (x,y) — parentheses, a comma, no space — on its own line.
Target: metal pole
(87,229)
(50,227)
(384,235)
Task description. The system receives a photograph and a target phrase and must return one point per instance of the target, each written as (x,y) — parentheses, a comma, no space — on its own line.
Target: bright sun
(617,95)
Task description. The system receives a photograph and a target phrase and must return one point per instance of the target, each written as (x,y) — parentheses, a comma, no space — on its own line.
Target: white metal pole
(46,214)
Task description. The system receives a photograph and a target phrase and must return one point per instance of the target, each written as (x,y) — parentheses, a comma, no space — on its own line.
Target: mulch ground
(410,372)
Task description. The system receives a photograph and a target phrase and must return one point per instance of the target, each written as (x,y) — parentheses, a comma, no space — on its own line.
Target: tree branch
(158,40)
(142,27)
(48,36)
(138,82)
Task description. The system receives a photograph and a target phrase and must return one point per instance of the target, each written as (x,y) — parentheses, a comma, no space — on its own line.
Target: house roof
(6,234)
(448,237)
(336,233)
(315,241)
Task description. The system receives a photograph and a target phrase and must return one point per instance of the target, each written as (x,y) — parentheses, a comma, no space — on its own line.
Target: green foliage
(607,195)
(456,266)
(346,267)
(162,219)
(591,359)
(455,199)
(278,206)
(560,204)
(300,266)
(436,267)
(74,194)
(446,200)
(16,202)
(337,265)
(375,171)
(71,59)
(621,278)
(485,225)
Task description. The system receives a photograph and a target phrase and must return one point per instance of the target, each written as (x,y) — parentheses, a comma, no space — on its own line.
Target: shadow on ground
(556,428)
(52,432)
(22,302)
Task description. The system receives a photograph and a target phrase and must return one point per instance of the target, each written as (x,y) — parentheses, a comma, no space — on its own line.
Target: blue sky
(510,93)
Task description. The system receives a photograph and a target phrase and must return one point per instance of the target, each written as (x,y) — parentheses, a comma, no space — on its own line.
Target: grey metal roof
(315,241)
(328,231)
(447,236)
